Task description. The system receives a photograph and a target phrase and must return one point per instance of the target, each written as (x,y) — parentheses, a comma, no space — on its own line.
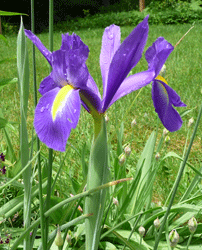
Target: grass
(183,75)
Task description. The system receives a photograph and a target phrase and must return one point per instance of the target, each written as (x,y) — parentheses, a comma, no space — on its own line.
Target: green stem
(97,176)
(189,241)
(50,159)
(37,140)
(178,179)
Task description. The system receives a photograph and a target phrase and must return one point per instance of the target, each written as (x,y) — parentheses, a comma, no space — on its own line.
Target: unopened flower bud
(122,159)
(174,238)
(106,118)
(115,201)
(163,71)
(133,123)
(192,224)
(157,156)
(157,223)
(141,231)
(167,139)
(69,237)
(80,209)
(165,131)
(58,238)
(127,150)
(191,121)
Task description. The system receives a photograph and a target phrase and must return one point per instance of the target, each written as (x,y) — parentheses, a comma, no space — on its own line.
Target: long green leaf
(23,84)
(7,13)
(97,175)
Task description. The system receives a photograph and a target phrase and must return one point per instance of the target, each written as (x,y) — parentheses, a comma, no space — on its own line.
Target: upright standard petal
(157,54)
(163,98)
(37,42)
(125,58)
(111,41)
(133,83)
(56,114)
(74,43)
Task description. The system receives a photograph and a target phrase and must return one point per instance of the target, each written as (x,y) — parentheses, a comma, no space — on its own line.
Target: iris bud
(58,239)
(69,237)
(192,224)
(127,150)
(165,131)
(115,201)
(133,123)
(191,121)
(157,223)
(167,139)
(141,231)
(174,238)
(157,156)
(106,118)
(122,159)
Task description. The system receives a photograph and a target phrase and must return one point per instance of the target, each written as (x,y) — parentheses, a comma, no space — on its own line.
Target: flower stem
(97,175)
(189,241)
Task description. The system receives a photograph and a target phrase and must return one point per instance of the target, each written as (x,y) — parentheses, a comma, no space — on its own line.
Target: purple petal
(36,41)
(157,54)
(163,98)
(93,86)
(110,44)
(47,84)
(76,71)
(92,94)
(59,67)
(74,42)
(125,58)
(133,83)
(55,132)
(69,68)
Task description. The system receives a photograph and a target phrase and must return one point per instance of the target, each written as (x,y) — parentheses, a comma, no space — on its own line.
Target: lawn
(183,69)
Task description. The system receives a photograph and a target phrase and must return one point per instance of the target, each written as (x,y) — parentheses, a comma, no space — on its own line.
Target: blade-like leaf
(7,13)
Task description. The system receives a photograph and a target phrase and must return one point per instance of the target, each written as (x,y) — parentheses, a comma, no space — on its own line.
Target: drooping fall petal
(56,114)
(164,97)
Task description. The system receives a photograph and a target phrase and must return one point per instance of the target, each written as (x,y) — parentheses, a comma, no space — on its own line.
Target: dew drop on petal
(69,120)
(74,111)
(42,109)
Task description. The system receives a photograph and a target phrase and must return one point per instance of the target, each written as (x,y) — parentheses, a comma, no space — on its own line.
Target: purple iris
(69,84)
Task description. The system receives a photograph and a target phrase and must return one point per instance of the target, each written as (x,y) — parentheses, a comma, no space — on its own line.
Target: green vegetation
(69,170)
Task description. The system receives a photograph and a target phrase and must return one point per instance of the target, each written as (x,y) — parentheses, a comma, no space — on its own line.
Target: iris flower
(70,84)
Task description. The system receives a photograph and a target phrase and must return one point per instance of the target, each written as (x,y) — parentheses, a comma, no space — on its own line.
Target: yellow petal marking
(59,99)
(161,78)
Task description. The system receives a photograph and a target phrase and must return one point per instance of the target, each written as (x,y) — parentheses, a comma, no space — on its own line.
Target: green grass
(183,75)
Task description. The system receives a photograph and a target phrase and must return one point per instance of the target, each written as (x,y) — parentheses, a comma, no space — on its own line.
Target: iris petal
(74,43)
(163,98)
(36,41)
(47,84)
(157,54)
(54,133)
(125,58)
(110,43)
(133,83)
